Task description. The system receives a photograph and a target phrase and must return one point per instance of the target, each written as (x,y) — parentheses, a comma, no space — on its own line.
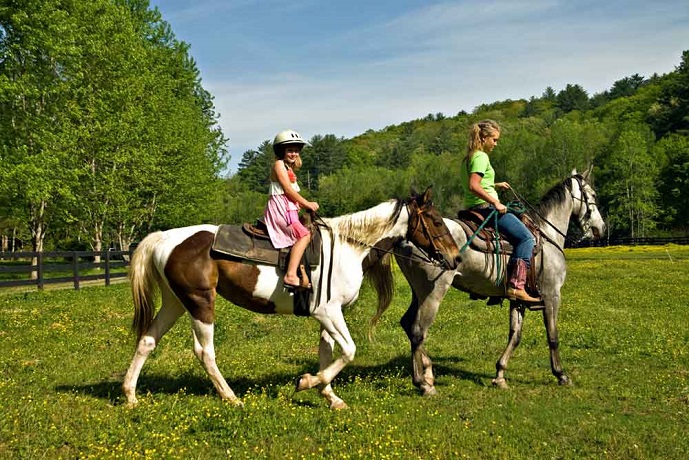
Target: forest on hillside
(106,133)
(635,134)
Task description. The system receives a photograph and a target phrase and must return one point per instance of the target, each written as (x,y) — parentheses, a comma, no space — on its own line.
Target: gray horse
(479,271)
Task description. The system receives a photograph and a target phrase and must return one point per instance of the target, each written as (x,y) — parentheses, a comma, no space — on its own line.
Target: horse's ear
(574,172)
(428,194)
(587,173)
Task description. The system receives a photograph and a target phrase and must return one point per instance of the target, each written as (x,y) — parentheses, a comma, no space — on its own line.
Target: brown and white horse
(180,264)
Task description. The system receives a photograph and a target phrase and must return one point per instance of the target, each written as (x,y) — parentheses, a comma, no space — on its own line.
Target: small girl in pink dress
(282,212)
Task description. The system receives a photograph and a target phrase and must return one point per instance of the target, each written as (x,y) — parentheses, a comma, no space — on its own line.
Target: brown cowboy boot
(515,289)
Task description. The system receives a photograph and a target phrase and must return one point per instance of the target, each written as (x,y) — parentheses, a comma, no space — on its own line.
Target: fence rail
(631,242)
(61,267)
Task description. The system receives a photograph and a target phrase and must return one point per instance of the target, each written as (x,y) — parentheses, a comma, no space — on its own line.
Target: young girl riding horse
(282,212)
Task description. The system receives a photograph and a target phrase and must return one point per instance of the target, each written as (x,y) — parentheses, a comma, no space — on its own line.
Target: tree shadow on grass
(110,388)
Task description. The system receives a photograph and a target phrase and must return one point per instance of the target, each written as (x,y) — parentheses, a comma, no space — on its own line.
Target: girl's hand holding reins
(502,185)
(501,208)
(312,206)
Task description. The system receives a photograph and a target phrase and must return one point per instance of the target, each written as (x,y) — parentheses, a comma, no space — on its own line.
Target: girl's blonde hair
(478,133)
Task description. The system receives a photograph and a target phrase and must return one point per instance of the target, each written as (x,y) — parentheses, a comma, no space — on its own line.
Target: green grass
(624,342)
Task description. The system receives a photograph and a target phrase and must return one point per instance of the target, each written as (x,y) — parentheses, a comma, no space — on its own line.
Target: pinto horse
(478,272)
(180,264)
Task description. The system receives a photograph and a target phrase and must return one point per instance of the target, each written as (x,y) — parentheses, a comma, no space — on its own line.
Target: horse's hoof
(563,380)
(235,403)
(428,391)
(338,405)
(131,400)
(303,382)
(500,383)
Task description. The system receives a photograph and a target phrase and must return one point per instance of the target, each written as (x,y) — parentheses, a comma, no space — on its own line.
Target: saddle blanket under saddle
(250,243)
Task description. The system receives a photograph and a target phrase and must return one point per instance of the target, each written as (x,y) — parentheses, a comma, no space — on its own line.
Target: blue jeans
(515,231)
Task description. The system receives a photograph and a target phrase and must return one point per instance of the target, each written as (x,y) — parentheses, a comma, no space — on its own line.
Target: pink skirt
(282,219)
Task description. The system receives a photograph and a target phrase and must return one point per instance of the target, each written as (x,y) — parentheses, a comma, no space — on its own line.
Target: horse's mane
(367,227)
(553,198)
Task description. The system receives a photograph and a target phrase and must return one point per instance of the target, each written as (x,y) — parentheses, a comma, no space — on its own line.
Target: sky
(345,67)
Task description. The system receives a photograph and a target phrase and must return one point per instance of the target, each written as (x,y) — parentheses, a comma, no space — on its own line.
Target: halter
(584,221)
(416,213)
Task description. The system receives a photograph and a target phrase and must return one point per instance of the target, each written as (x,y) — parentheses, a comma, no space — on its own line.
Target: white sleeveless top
(276,189)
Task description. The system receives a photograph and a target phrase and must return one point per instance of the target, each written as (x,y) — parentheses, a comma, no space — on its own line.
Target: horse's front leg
(515,336)
(334,330)
(550,321)
(325,358)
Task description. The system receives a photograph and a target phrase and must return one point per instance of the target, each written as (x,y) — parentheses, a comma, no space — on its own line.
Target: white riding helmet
(286,137)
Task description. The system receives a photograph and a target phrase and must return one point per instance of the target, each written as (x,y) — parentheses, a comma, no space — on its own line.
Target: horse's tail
(144,278)
(379,273)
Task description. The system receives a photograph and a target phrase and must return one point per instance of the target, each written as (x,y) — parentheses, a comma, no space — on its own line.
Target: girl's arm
(476,189)
(280,173)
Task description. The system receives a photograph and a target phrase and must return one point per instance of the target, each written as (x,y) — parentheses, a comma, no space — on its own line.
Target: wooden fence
(631,242)
(61,267)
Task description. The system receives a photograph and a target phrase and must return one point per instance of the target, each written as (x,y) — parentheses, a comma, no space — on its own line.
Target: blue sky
(343,67)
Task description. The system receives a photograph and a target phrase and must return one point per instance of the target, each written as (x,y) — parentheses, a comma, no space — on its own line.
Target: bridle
(416,220)
(584,222)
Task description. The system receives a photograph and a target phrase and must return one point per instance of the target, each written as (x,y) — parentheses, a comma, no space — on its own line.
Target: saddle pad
(233,241)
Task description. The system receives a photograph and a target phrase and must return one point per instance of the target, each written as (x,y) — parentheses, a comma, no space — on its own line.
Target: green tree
(322,156)
(671,112)
(674,181)
(573,97)
(37,140)
(631,172)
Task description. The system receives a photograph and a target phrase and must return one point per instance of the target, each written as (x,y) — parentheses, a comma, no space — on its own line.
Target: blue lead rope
(515,206)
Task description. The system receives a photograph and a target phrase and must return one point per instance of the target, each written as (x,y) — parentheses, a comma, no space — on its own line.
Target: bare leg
(515,336)
(169,313)
(297,252)
(205,352)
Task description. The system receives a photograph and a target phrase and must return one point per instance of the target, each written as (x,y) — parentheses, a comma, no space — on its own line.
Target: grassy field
(624,341)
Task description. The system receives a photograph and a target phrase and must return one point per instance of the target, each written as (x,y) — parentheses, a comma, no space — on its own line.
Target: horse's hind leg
(205,352)
(169,313)
(515,336)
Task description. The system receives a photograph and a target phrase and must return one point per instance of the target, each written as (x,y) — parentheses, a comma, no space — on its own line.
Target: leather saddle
(251,242)
(486,239)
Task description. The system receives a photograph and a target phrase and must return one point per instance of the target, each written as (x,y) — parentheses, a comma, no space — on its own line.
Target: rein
(535,211)
(420,221)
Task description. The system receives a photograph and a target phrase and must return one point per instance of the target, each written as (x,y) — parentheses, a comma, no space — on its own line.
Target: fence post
(75,269)
(39,259)
(107,268)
